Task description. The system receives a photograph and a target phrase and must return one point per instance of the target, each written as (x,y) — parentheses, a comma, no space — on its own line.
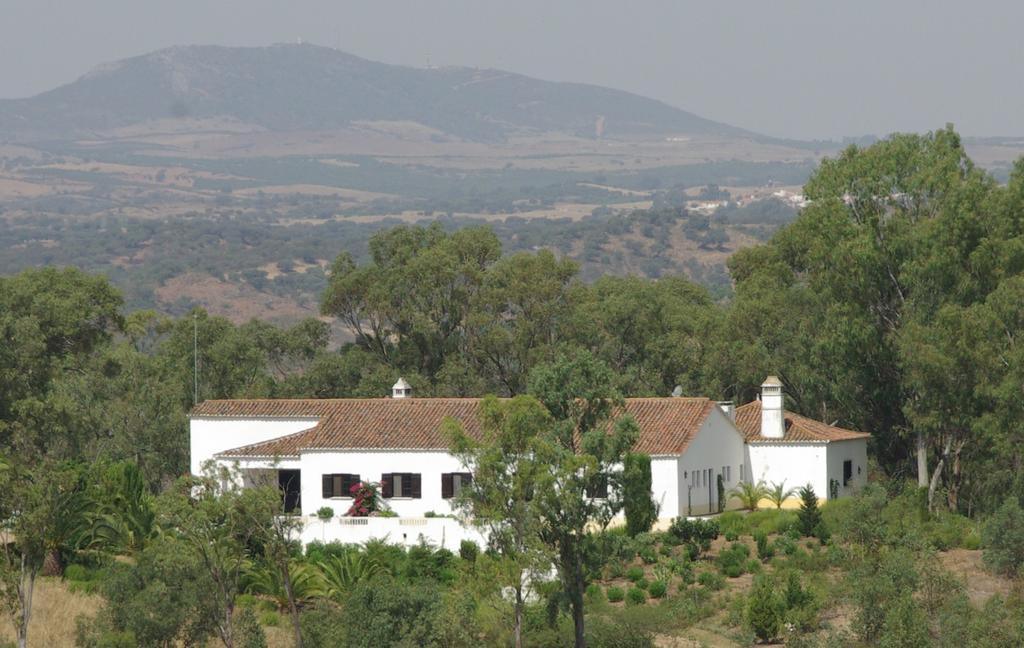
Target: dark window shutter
(385,485)
(447,488)
(417,491)
(328,484)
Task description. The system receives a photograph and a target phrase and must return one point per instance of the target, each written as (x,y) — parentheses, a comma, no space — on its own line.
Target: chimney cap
(401,389)
(772,381)
(401,384)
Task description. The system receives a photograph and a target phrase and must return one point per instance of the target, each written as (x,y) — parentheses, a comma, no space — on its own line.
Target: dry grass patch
(54,610)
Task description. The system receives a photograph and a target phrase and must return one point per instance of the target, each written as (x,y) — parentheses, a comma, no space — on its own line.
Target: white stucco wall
(796,464)
(716,445)
(370,465)
(855,450)
(665,485)
(208,436)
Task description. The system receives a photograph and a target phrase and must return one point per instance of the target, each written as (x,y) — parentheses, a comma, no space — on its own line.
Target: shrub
(657,589)
(764,609)
(321,627)
(1003,539)
(639,507)
(711,581)
(76,572)
(325,512)
(809,516)
(606,634)
(732,536)
(615,569)
(270,619)
(468,550)
(753,566)
(764,550)
(648,555)
(732,561)
(749,495)
(616,594)
(594,592)
(635,573)
(248,632)
(636,596)
(699,533)
(642,583)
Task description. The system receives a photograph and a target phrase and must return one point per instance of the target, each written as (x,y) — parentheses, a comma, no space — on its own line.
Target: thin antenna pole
(195,358)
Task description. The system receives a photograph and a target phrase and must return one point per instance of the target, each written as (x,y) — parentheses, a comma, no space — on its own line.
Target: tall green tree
(584,447)
(502,498)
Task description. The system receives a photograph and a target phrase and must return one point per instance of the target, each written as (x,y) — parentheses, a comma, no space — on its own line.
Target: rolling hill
(308,88)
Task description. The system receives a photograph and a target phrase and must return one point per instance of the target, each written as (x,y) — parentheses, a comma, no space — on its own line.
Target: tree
(778,493)
(501,499)
(584,448)
(43,508)
(1003,537)
(217,521)
(809,515)
(749,495)
(641,511)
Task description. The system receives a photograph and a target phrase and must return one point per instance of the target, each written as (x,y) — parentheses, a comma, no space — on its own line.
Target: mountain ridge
(287,87)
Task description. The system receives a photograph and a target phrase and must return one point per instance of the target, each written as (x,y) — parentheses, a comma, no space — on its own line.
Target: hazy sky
(814,68)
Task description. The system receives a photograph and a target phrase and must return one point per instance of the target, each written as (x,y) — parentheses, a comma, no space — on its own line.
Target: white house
(317,449)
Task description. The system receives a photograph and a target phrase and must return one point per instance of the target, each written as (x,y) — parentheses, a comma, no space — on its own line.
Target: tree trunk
(938,473)
(293,609)
(922,461)
(26,588)
(518,631)
(576,601)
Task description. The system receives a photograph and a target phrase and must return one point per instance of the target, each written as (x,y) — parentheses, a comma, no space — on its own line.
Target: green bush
(638,505)
(635,573)
(325,513)
(732,560)
(636,596)
(594,592)
(322,627)
(764,609)
(616,594)
(711,581)
(270,618)
(648,555)
(698,532)
(615,569)
(642,583)
(1003,539)
(248,632)
(753,566)
(657,589)
(601,633)
(468,550)
(764,550)
(731,536)
(74,572)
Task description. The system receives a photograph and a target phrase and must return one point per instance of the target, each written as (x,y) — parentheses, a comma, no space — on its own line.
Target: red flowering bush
(365,500)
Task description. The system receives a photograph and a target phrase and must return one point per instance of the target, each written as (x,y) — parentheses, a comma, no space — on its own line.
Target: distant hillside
(306,87)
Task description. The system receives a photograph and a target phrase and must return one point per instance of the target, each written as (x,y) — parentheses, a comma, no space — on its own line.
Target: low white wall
(370,465)
(208,436)
(440,532)
(664,485)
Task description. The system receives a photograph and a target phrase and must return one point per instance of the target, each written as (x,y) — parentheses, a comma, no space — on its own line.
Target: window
(452,483)
(847,472)
(401,485)
(339,485)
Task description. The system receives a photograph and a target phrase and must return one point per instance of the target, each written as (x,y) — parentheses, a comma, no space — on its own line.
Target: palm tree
(341,573)
(266,580)
(749,494)
(778,493)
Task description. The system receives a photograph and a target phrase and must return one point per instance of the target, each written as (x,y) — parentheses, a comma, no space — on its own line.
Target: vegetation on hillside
(891,305)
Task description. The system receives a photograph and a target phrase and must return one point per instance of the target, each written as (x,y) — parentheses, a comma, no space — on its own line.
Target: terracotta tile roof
(667,425)
(798,428)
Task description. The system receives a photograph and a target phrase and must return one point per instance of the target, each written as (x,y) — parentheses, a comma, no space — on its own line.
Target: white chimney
(729,409)
(401,389)
(773,422)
